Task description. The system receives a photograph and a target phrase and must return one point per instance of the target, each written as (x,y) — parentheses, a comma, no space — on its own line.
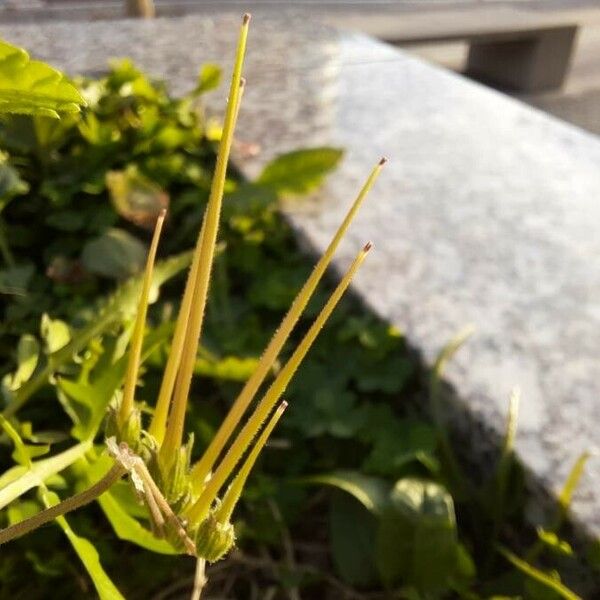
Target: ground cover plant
(353,497)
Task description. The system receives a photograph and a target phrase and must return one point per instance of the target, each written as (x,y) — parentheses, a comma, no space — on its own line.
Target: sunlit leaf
(135,197)
(548,581)
(231,368)
(33,87)
(371,492)
(209,78)
(554,543)
(55,334)
(16,482)
(130,529)
(28,352)
(301,171)
(89,557)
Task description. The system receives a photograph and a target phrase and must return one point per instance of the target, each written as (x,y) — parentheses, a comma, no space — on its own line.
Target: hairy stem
(199,511)
(18,529)
(174,432)
(203,467)
(137,338)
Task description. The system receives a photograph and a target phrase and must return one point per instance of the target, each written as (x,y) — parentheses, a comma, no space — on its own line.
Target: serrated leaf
(115,254)
(33,87)
(301,171)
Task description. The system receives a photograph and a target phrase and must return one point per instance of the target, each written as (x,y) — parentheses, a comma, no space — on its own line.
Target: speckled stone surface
(488,213)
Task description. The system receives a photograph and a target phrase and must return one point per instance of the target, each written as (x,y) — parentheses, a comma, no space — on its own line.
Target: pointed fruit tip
(383,160)
(367,246)
(246,18)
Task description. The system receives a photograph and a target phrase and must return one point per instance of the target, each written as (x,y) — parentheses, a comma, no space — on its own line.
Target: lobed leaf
(20,480)
(33,87)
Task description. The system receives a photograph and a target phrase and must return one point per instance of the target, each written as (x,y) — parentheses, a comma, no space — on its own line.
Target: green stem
(19,529)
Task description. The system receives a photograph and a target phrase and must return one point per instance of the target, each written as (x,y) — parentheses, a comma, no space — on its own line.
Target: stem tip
(367,246)
(383,160)
(246,18)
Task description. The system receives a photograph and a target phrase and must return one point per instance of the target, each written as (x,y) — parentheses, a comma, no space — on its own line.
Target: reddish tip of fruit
(383,160)
(368,246)
(246,18)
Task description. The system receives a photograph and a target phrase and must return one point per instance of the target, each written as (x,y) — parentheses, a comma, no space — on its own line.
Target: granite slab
(488,213)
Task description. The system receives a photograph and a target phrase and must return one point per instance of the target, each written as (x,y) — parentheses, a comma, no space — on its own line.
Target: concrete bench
(487,213)
(509,46)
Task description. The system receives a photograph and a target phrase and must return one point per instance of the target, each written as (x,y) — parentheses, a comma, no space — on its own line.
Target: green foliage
(403,513)
(32,87)
(301,171)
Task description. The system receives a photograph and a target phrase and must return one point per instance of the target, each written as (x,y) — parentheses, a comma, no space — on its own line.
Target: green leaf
(33,87)
(135,197)
(87,402)
(89,557)
(129,529)
(396,443)
(15,280)
(371,492)
(417,540)
(554,543)
(19,511)
(572,482)
(11,184)
(115,254)
(301,171)
(229,368)
(17,481)
(209,78)
(547,581)
(28,352)
(55,334)
(121,306)
(353,534)
(67,220)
